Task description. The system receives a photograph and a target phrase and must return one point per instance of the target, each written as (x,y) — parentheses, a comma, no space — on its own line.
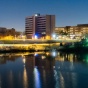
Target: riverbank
(62,49)
(22,50)
(74,49)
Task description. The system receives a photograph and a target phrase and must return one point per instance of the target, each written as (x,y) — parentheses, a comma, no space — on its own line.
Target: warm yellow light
(47,37)
(47,53)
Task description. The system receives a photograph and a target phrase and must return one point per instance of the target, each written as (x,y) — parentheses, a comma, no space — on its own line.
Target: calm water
(43,70)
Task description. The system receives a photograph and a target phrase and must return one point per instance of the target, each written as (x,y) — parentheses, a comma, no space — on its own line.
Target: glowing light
(25,80)
(54,36)
(36,14)
(35,54)
(47,53)
(54,53)
(43,57)
(37,78)
(36,37)
(24,61)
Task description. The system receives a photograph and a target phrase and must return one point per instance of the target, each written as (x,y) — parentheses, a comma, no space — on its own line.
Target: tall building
(39,26)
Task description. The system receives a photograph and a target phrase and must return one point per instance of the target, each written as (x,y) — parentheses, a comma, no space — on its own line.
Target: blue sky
(67,12)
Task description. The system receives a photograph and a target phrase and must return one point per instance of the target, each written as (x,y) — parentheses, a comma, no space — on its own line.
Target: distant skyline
(67,12)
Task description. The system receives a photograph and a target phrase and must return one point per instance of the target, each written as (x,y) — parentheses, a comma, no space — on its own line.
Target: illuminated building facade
(8,33)
(5,32)
(39,26)
(58,30)
(83,28)
(78,31)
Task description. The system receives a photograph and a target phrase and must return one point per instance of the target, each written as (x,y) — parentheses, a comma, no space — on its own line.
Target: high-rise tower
(39,25)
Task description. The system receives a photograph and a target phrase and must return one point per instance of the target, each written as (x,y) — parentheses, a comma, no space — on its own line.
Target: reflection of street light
(37,78)
(53,53)
(43,57)
(23,59)
(35,54)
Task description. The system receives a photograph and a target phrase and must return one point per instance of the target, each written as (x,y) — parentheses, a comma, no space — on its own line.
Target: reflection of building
(66,57)
(39,70)
(45,68)
(29,65)
(4,59)
(30,62)
(47,62)
(39,25)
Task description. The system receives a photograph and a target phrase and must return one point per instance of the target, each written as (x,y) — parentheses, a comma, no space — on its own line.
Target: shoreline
(63,49)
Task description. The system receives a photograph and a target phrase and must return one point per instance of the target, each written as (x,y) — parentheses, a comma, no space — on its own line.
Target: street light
(36,37)
(54,36)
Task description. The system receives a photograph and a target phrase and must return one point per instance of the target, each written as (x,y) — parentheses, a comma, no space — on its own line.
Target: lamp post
(54,36)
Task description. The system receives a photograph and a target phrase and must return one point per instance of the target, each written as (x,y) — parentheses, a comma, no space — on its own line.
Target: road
(34,41)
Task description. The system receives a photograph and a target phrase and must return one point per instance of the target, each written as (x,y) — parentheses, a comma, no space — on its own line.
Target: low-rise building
(5,33)
(77,31)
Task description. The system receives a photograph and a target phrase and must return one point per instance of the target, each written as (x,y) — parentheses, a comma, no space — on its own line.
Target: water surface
(43,70)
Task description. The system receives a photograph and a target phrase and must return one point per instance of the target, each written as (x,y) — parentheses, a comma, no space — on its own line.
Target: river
(44,70)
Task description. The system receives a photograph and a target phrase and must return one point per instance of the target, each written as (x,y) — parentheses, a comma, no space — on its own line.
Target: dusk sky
(67,12)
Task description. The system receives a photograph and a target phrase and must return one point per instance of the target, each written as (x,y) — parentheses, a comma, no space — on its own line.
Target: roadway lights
(36,37)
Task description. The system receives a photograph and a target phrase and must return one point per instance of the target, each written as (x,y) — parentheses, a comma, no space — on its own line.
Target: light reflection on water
(37,78)
(44,70)
(25,80)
